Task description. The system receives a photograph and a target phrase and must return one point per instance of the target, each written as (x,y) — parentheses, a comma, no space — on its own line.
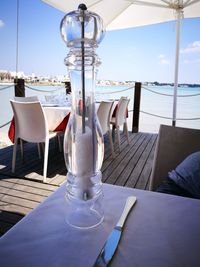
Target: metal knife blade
(113,239)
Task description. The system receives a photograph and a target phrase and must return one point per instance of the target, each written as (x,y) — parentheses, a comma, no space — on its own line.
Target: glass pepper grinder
(82,31)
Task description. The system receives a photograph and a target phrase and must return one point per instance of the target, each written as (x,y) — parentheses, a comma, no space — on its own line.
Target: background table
(55,116)
(161,231)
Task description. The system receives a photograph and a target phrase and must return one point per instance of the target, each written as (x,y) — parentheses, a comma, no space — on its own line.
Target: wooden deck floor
(23,191)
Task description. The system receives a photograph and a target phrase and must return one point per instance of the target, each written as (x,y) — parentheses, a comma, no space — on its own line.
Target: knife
(112,242)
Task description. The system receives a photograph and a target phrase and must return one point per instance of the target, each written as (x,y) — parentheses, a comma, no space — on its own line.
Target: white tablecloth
(161,231)
(55,115)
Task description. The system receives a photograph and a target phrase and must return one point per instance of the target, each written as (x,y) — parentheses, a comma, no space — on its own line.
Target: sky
(138,54)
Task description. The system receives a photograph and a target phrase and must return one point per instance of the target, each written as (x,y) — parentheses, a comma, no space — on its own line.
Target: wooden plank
(107,152)
(15,208)
(26,182)
(32,190)
(21,194)
(143,180)
(57,180)
(56,165)
(18,201)
(111,163)
(124,146)
(32,162)
(119,159)
(120,163)
(132,161)
(135,174)
(105,168)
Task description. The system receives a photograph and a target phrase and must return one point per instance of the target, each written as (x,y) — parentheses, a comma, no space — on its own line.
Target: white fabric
(121,14)
(161,230)
(55,115)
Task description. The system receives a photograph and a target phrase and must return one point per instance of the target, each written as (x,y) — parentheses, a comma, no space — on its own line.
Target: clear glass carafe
(83,141)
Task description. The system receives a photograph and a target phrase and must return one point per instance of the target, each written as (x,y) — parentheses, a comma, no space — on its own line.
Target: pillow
(187,174)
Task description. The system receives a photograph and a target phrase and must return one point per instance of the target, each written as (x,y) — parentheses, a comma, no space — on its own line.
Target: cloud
(194,61)
(191,48)
(1,23)
(163,60)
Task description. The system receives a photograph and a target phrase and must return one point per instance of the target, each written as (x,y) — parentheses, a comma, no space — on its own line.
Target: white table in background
(55,115)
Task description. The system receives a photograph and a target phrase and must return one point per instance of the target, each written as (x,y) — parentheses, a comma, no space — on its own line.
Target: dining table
(55,116)
(161,231)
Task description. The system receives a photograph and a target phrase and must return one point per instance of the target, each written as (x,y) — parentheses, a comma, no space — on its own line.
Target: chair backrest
(121,110)
(30,121)
(174,144)
(26,99)
(104,115)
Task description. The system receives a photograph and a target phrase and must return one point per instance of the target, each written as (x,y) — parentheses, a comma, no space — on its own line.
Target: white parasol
(121,14)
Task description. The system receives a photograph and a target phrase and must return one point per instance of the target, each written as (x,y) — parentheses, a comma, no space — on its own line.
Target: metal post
(136,107)
(179,13)
(68,88)
(19,87)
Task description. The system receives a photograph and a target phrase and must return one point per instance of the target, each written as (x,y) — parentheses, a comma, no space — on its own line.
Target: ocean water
(151,103)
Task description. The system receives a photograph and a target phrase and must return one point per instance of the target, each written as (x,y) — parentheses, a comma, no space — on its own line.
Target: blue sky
(141,54)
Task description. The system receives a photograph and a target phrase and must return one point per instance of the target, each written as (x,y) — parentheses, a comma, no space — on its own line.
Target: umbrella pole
(17,41)
(178,12)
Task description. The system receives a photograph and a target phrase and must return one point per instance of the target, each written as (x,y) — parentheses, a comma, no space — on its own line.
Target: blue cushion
(187,174)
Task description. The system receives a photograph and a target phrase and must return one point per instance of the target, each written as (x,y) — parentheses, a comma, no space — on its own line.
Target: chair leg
(39,151)
(43,146)
(118,138)
(14,155)
(46,152)
(21,148)
(126,132)
(59,143)
(113,133)
(111,144)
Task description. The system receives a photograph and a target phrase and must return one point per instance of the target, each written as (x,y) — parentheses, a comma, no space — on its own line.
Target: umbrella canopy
(121,14)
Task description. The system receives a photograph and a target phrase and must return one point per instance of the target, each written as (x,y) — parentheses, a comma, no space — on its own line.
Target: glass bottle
(82,31)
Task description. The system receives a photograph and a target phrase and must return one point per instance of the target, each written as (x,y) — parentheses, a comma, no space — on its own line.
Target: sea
(155,108)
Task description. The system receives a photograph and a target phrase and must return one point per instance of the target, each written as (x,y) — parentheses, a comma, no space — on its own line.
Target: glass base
(84,214)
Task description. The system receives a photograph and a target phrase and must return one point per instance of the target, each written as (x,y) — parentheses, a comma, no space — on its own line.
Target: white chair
(26,98)
(104,113)
(33,99)
(120,118)
(173,145)
(31,126)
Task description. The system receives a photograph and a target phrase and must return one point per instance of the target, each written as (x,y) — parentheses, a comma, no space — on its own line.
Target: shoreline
(36,84)
(106,83)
